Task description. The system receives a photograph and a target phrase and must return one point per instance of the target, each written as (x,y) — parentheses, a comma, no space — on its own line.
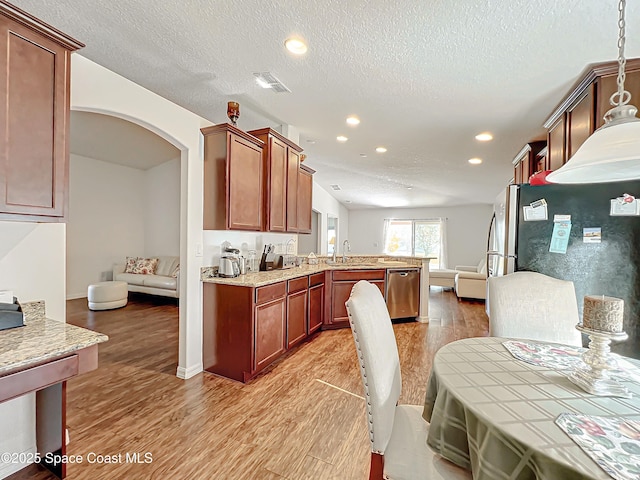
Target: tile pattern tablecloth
(496,414)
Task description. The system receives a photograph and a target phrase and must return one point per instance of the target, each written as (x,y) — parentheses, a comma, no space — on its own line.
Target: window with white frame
(417,238)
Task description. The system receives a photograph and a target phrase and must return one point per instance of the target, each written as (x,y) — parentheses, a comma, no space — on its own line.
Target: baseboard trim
(10,468)
(75,296)
(186,373)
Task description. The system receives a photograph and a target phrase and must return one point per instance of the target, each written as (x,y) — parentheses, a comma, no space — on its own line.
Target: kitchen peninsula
(40,357)
(252,320)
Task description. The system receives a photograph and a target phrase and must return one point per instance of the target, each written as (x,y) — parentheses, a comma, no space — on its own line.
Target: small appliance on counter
(229,263)
(11,315)
(284,261)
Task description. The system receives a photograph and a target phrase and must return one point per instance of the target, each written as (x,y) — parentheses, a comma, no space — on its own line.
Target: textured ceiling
(112,139)
(424,77)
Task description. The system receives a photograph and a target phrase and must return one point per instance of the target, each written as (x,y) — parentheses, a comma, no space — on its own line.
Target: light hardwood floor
(302,419)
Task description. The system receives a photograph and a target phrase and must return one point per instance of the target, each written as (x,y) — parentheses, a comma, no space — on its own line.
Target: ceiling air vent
(335,186)
(268,80)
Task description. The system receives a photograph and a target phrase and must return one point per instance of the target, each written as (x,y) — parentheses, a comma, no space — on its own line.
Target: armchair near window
(471,281)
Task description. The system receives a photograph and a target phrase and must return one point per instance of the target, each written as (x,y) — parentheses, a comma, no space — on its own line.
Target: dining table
(496,415)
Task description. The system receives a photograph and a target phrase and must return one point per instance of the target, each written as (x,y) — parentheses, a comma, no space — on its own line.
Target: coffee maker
(229,263)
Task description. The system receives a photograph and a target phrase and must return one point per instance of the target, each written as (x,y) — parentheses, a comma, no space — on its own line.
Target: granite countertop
(259,279)
(42,339)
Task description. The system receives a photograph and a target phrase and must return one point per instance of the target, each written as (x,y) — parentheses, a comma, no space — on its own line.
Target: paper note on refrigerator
(560,237)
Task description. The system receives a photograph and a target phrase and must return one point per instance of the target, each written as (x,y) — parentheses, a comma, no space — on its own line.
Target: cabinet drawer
(270,292)
(358,275)
(316,279)
(298,284)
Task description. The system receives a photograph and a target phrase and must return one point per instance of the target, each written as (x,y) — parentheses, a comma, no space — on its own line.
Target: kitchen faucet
(346,247)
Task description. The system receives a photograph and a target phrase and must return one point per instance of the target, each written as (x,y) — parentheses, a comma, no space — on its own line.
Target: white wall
(105,223)
(97,89)
(117,211)
(467,230)
(162,210)
(32,264)
(326,205)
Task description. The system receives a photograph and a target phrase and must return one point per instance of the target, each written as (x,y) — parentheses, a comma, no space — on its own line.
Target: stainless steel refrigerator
(610,265)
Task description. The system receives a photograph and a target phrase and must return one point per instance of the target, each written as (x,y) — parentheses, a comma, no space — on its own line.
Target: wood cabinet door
(340,292)
(580,122)
(556,150)
(296,317)
(34,121)
(305,193)
(244,184)
(517,173)
(277,186)
(293,166)
(316,307)
(269,335)
(607,85)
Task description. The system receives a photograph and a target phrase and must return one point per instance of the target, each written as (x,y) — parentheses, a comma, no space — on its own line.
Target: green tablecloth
(494,415)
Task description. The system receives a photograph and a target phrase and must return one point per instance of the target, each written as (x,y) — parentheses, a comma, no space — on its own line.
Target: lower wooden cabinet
(269,332)
(245,329)
(316,302)
(341,285)
(297,310)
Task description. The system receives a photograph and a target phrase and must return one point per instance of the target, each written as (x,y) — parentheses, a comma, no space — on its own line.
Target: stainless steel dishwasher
(403,292)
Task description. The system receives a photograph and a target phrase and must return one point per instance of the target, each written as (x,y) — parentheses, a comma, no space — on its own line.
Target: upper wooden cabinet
(233,179)
(293,171)
(276,160)
(35,61)
(530,159)
(283,208)
(581,112)
(305,196)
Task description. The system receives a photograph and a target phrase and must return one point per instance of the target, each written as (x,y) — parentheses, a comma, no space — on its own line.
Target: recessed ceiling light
(353,120)
(311,141)
(475,161)
(296,46)
(347,201)
(409,188)
(363,155)
(484,137)
(381,149)
(341,138)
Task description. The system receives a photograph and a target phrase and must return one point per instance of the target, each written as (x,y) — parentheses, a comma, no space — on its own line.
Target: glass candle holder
(233,112)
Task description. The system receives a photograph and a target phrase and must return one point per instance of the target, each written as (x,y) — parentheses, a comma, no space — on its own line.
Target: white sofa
(160,283)
(471,282)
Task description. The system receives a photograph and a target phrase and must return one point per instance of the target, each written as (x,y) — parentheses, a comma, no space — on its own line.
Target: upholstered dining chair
(398,433)
(533,306)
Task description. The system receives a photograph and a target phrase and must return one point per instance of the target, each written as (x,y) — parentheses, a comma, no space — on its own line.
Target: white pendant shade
(611,154)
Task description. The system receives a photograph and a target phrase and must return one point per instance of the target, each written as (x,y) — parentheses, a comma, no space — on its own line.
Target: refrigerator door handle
(490,254)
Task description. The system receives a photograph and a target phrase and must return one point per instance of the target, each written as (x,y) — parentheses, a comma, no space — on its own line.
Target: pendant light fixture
(612,153)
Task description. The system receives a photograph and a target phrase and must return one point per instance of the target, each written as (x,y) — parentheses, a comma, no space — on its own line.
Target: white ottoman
(107,295)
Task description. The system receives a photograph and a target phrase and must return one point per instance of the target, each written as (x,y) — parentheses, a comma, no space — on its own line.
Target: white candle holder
(594,376)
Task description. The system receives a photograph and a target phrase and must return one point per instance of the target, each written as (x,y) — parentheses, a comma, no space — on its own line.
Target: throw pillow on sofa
(146,266)
(130,264)
(174,274)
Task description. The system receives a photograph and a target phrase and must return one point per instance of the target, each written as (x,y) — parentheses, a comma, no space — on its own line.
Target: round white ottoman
(107,295)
